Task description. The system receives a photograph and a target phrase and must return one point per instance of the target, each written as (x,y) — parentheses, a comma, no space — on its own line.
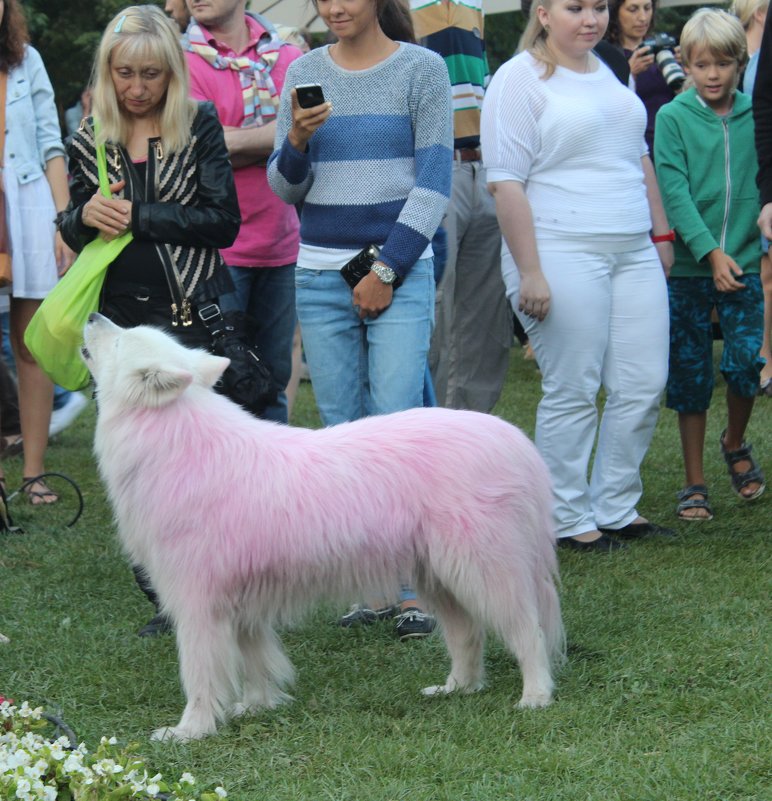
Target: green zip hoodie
(706,169)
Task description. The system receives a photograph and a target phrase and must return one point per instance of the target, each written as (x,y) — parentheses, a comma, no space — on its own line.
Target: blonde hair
(143,32)
(717,31)
(534,40)
(745,9)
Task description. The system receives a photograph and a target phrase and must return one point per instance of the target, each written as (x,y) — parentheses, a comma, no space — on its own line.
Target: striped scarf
(258,91)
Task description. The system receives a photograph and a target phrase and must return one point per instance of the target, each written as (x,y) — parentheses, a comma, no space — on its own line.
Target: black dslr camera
(661,46)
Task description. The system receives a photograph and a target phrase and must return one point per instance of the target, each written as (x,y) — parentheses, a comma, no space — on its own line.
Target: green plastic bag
(55,334)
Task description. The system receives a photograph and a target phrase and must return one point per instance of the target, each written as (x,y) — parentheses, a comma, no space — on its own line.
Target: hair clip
(119,24)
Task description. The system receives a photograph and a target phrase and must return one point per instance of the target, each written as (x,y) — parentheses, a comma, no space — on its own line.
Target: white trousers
(607,326)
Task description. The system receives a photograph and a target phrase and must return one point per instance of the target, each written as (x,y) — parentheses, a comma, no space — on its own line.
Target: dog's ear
(210,368)
(156,386)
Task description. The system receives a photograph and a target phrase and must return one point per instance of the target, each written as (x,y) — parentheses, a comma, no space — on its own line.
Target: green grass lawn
(666,693)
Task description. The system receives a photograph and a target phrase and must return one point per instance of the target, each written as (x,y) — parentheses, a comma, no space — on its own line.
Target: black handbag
(248,380)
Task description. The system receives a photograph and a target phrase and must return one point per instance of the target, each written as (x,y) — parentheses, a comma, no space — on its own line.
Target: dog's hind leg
(266,670)
(465,640)
(209,672)
(526,642)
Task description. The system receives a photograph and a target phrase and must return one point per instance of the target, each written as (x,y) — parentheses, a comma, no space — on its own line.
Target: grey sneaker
(362,616)
(413,624)
(156,626)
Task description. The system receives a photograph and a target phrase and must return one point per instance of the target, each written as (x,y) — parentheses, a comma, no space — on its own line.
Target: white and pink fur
(242,525)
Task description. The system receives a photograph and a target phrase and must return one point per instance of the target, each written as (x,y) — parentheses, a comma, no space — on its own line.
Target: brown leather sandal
(38,497)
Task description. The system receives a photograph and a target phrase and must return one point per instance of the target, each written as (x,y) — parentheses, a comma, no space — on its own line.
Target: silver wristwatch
(386,274)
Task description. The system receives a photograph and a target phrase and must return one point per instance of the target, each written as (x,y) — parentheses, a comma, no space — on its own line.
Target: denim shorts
(741,316)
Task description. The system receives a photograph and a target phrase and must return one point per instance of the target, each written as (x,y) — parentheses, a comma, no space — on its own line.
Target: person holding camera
(654,67)
(364,141)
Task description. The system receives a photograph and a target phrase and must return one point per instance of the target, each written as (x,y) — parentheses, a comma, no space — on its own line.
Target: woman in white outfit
(34,178)
(578,206)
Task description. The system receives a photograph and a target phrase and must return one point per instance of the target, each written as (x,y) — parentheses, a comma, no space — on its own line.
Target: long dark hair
(395,20)
(13,35)
(614,32)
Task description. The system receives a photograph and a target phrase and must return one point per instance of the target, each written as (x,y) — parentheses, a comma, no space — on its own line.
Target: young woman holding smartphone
(371,166)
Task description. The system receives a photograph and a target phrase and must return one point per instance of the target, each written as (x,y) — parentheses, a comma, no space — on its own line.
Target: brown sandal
(38,497)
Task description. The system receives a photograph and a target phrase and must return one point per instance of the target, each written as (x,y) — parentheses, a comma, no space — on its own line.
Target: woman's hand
(305,122)
(110,216)
(725,268)
(641,59)
(534,295)
(64,256)
(666,256)
(371,296)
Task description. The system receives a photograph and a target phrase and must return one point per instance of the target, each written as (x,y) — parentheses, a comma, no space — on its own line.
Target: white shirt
(575,141)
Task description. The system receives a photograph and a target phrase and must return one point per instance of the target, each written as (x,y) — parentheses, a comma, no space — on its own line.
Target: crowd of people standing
(566,198)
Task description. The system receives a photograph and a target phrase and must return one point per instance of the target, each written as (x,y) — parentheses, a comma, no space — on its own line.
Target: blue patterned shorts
(741,316)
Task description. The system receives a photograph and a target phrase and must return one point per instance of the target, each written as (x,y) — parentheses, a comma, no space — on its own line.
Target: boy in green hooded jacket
(703,152)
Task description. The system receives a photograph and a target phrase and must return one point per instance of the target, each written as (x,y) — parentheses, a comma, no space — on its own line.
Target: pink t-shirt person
(269,227)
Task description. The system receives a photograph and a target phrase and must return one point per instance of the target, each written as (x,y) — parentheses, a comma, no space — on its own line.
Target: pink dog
(243,524)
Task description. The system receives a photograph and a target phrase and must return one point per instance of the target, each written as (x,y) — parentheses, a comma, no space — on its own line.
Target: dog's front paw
(239,710)
(452,686)
(535,700)
(177,733)
(437,689)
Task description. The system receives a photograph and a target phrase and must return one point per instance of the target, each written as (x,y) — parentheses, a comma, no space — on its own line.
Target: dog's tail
(547,574)
(550,619)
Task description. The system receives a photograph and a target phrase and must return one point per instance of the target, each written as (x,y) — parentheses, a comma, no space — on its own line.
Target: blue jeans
(268,295)
(364,367)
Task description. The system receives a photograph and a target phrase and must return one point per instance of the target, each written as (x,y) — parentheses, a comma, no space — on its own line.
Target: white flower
(57,749)
(33,768)
(74,763)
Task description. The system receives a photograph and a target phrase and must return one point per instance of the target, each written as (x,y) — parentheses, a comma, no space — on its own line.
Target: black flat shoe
(604,544)
(639,531)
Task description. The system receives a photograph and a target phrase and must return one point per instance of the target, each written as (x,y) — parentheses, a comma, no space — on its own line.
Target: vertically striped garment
(455,30)
(379,169)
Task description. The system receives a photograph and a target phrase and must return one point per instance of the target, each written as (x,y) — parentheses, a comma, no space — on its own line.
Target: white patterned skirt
(30,213)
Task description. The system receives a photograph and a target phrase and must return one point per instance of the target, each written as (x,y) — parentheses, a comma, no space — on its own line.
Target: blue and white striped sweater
(379,170)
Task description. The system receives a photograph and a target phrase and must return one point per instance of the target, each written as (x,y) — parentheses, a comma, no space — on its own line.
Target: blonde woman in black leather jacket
(170,176)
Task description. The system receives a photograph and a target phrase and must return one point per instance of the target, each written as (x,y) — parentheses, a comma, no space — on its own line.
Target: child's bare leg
(692,430)
(738,415)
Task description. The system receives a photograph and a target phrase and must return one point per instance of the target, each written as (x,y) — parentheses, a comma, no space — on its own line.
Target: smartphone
(309,95)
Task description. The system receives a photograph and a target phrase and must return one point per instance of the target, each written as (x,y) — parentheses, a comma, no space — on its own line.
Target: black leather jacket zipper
(180,306)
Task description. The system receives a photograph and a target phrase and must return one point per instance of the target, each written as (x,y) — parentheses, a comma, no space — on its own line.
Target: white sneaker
(61,418)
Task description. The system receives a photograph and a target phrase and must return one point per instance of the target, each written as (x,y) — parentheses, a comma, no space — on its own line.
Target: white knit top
(576,141)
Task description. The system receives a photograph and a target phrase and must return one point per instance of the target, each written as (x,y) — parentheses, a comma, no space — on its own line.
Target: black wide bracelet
(59,219)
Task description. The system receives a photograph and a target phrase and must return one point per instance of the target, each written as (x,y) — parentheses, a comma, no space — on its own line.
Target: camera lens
(671,70)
